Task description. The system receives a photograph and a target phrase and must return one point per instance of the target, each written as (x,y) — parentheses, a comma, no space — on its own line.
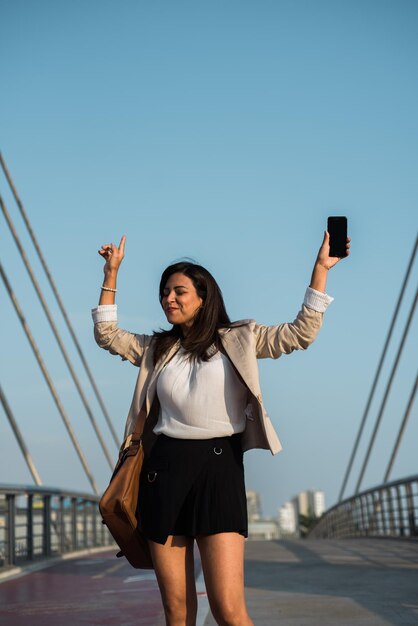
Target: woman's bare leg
(223,567)
(174,568)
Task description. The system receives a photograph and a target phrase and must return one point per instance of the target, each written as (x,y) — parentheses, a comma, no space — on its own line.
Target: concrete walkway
(90,590)
(352,582)
(289,583)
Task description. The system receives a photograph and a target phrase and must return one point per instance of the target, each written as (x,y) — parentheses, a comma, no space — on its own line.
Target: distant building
(287,520)
(263,529)
(301,504)
(309,503)
(253,506)
(318,503)
(259,528)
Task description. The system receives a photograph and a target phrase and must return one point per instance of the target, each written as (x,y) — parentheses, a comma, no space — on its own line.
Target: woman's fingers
(111,247)
(347,246)
(113,254)
(325,240)
(122,245)
(106,250)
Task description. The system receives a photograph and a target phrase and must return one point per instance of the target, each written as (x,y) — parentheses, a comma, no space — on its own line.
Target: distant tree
(306,522)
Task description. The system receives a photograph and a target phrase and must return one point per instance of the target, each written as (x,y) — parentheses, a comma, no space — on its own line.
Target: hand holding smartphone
(337,228)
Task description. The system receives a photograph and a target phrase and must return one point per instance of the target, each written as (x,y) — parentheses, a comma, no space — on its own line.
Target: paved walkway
(352,582)
(289,583)
(97,589)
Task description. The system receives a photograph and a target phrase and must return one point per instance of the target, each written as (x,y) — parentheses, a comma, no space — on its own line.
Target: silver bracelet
(103,288)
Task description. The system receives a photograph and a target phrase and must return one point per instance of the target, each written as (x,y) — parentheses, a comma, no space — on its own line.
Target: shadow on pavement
(385,584)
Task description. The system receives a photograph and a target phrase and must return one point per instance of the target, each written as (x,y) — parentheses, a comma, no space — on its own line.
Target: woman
(199,395)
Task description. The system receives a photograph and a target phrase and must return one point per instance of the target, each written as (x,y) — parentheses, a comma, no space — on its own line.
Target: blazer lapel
(239,357)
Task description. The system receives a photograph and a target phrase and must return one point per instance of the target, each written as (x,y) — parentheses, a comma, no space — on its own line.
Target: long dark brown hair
(209,318)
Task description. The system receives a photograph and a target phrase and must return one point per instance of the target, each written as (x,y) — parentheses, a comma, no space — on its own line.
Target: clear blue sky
(227,132)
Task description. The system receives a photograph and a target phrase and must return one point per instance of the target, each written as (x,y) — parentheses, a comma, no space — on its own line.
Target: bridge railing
(38,523)
(389,510)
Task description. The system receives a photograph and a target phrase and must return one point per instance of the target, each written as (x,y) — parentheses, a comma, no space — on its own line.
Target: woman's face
(180,300)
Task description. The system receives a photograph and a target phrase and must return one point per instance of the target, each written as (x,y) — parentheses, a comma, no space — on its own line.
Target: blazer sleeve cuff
(105,313)
(317,300)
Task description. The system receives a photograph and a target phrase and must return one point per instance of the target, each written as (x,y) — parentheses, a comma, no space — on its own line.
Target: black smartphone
(337,228)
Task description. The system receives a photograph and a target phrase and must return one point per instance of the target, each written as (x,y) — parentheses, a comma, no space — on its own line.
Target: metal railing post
(391,512)
(371,513)
(47,525)
(400,511)
(363,516)
(85,526)
(61,526)
(11,538)
(381,509)
(94,523)
(29,526)
(410,509)
(74,534)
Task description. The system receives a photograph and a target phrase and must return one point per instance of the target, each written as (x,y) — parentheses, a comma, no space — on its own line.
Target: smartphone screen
(337,228)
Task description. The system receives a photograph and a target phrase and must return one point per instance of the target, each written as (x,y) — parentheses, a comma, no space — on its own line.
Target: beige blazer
(244,342)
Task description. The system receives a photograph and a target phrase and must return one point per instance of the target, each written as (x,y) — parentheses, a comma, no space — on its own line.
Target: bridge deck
(352,582)
(297,583)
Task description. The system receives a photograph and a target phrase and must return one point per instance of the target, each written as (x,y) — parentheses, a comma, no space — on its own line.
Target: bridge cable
(401,430)
(379,368)
(56,333)
(59,301)
(20,440)
(387,390)
(48,380)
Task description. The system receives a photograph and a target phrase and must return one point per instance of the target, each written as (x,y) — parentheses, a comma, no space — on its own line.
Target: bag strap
(142,415)
(140,422)
(136,434)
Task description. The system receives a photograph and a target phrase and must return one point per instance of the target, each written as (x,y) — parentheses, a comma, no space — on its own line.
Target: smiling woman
(193,303)
(199,393)
(180,301)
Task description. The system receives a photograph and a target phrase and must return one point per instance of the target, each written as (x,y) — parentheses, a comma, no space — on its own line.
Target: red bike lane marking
(95,590)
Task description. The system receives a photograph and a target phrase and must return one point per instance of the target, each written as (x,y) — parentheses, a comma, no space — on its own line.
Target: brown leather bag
(118,504)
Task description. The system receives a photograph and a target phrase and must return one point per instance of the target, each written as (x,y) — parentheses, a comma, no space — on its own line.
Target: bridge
(358,565)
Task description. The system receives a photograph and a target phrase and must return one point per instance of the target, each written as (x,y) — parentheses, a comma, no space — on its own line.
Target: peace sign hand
(113,256)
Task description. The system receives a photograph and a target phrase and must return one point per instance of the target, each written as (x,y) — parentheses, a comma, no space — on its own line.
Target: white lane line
(83,562)
(109,570)
(24,570)
(149,575)
(146,575)
(202,600)
(113,591)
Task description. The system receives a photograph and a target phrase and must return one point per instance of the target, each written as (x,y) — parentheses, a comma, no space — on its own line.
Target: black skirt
(193,487)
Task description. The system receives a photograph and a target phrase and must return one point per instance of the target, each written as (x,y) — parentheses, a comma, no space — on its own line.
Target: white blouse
(200,399)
